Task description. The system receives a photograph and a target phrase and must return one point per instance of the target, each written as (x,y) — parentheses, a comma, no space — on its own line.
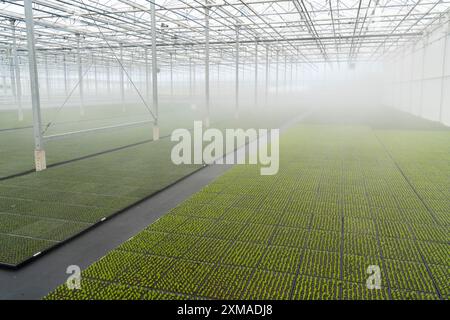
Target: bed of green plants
(40,210)
(16,152)
(346,197)
(17,145)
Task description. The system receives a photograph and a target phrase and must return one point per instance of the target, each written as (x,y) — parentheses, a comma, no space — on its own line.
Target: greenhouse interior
(225,150)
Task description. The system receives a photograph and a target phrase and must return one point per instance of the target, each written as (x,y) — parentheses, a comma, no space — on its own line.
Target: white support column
(122,89)
(12,76)
(39,152)
(303,75)
(267,75)
(86,82)
(236,89)
(423,74)
(4,80)
(171,75)
(130,73)
(256,72)
(277,71)
(444,66)
(411,79)
(108,76)
(285,71)
(218,74)
(194,74)
(291,68)
(207,117)
(94,62)
(80,76)
(190,77)
(17,72)
(147,76)
(297,78)
(47,77)
(66,87)
(154,73)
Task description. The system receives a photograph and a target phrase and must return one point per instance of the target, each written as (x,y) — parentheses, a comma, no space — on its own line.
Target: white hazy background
(415,79)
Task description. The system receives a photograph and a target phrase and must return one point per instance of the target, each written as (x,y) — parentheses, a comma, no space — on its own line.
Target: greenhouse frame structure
(356,92)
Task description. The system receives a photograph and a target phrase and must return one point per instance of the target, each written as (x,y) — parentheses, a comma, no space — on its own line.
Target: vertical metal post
(66,89)
(154,72)
(171,75)
(277,70)
(47,77)
(194,75)
(267,74)
(147,76)
(296,69)
(285,71)
(411,82)
(206,124)
(80,76)
(108,76)
(256,72)
(291,68)
(39,152)
(130,72)
(237,75)
(190,77)
(94,62)
(423,75)
(12,75)
(4,81)
(86,82)
(121,79)
(398,92)
(17,72)
(444,65)
(218,73)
